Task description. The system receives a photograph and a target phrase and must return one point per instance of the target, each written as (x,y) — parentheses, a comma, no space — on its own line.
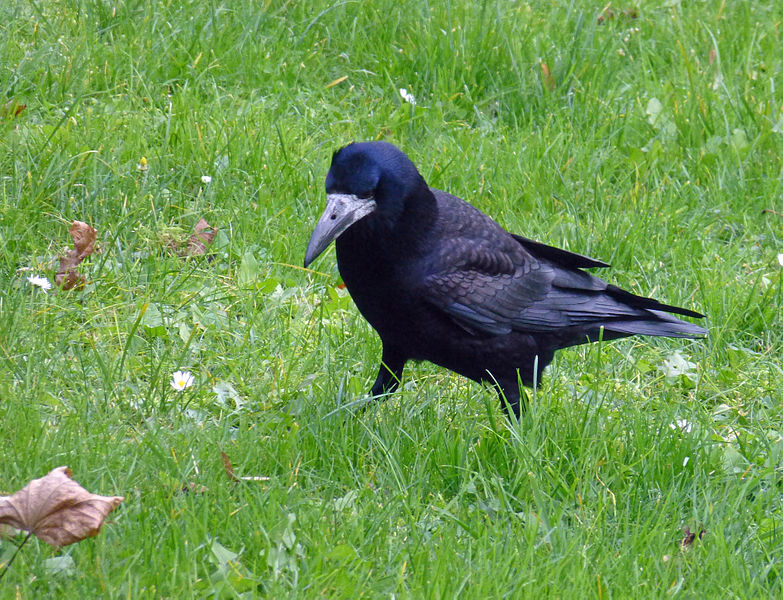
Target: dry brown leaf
(230,471)
(228,467)
(56,509)
(690,537)
(83,245)
(202,237)
(12,108)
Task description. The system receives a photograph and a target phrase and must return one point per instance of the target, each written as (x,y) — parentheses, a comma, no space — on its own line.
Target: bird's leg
(512,398)
(389,373)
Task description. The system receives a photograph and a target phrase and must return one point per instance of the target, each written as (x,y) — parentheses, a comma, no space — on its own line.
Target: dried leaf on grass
(195,245)
(690,537)
(11,109)
(227,466)
(230,471)
(202,237)
(83,245)
(56,509)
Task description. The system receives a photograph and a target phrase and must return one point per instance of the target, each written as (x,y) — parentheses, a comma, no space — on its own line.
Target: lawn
(649,136)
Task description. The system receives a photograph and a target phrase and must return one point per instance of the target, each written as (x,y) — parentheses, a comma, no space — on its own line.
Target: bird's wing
(483,287)
(495,290)
(492,282)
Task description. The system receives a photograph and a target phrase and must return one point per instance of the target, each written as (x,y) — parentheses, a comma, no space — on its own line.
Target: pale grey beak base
(342,211)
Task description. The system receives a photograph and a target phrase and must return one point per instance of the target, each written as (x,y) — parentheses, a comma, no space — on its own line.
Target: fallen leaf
(202,236)
(83,245)
(12,108)
(690,537)
(56,509)
(549,80)
(227,466)
(230,470)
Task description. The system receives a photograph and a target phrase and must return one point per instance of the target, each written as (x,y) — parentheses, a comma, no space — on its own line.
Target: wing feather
(492,282)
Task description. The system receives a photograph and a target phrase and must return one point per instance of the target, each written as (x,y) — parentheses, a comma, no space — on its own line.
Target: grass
(654,143)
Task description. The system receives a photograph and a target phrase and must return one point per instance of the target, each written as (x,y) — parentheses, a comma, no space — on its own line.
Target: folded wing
(496,288)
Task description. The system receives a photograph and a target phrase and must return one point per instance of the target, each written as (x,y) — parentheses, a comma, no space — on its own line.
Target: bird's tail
(662,325)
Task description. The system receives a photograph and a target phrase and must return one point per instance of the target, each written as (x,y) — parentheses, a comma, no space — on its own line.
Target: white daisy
(41,282)
(206,179)
(181,380)
(407,96)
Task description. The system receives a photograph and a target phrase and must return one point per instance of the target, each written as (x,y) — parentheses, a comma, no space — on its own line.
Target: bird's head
(367,180)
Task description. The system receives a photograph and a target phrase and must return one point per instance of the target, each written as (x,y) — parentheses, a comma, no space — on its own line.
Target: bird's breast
(382,289)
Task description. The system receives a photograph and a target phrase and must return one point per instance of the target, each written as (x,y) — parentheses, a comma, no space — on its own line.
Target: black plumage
(441,281)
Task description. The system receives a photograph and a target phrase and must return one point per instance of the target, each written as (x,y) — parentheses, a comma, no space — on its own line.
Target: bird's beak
(342,211)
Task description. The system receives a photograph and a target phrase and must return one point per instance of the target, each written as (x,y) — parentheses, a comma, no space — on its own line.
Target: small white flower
(685,460)
(41,282)
(181,380)
(206,179)
(407,96)
(780,259)
(683,425)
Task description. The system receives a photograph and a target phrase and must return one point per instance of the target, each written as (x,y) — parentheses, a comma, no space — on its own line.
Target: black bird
(441,281)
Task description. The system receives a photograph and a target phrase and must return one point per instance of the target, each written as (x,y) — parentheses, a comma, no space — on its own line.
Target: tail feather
(663,325)
(649,303)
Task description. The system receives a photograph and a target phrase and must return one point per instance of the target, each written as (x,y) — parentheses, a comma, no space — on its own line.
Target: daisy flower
(407,96)
(41,282)
(181,380)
